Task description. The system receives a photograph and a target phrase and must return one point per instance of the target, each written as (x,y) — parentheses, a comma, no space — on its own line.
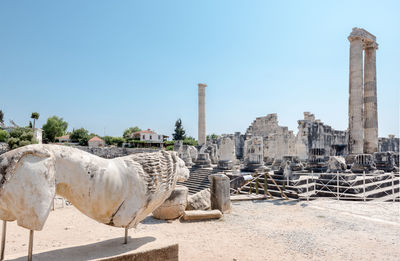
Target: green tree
(118,141)
(35,116)
(54,127)
(108,140)
(179,131)
(4,136)
(21,137)
(128,132)
(80,135)
(1,116)
(213,136)
(190,141)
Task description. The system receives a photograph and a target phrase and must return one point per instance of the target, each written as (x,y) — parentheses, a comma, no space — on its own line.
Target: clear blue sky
(115,64)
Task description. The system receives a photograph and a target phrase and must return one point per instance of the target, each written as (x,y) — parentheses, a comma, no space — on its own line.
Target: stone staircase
(348,186)
(357,187)
(198,179)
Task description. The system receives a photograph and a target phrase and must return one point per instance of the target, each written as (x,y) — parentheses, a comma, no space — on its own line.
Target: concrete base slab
(137,249)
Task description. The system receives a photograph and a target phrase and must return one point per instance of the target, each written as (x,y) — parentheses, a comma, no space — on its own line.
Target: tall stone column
(370,100)
(202,114)
(356,95)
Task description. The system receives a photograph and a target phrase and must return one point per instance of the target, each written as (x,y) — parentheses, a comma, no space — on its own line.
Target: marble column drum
(202,114)
(370,100)
(356,96)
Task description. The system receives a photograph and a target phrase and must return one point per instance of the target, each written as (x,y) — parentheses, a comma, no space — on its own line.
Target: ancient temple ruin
(278,141)
(363,112)
(314,134)
(391,143)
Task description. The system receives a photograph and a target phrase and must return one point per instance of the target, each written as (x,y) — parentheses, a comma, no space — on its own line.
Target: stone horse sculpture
(119,192)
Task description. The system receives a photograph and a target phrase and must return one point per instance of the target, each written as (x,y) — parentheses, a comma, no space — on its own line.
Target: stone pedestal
(225,164)
(253,153)
(203,160)
(226,153)
(220,192)
(363,163)
(174,206)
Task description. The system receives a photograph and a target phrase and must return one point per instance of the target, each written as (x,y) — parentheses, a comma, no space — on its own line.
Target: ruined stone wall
(186,152)
(253,150)
(238,139)
(104,152)
(114,152)
(278,141)
(313,133)
(226,148)
(390,143)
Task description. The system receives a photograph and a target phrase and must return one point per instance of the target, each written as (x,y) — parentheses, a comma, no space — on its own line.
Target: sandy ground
(255,230)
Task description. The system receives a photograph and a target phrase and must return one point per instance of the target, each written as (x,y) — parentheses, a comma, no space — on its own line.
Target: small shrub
(21,137)
(4,136)
(190,141)
(169,142)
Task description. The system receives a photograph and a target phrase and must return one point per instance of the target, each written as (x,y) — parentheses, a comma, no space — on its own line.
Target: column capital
(362,34)
(373,45)
(351,38)
(202,85)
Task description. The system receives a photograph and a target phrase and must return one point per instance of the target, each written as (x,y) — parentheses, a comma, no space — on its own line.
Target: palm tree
(34,116)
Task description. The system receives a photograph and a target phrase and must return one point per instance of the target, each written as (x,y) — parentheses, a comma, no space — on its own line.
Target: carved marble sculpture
(118,192)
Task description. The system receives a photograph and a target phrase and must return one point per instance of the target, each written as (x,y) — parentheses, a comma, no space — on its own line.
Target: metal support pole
(287,180)
(265,184)
(53,206)
(30,249)
(312,173)
(256,186)
(364,185)
(126,236)
(308,197)
(394,196)
(337,185)
(3,240)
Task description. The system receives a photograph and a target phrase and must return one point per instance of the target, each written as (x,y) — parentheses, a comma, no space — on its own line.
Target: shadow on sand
(150,220)
(103,249)
(278,202)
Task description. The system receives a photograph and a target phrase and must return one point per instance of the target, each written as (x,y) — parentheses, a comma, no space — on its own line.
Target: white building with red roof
(63,139)
(96,142)
(148,136)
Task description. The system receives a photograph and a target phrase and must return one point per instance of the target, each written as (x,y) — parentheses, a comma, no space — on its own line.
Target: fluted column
(370,100)
(202,114)
(356,96)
